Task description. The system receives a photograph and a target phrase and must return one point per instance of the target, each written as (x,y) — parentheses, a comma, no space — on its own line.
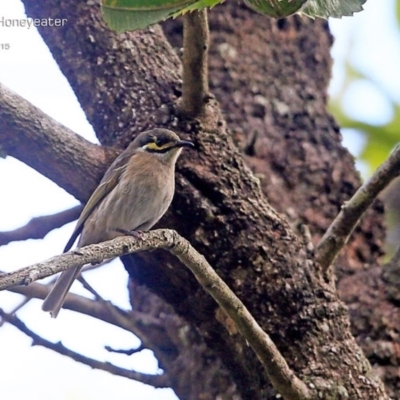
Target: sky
(28,68)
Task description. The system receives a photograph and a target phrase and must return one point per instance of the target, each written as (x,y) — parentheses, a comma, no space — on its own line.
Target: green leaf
(377,148)
(275,8)
(124,15)
(332,8)
(197,6)
(311,8)
(380,139)
(128,15)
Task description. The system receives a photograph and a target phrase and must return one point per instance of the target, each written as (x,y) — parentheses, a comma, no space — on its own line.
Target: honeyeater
(133,195)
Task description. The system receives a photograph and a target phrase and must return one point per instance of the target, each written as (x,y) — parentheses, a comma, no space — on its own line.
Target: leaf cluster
(123,15)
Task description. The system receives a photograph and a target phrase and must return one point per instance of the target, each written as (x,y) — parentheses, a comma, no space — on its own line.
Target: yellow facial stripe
(155,147)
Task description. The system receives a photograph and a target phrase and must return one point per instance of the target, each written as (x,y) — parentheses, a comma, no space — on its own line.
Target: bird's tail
(58,293)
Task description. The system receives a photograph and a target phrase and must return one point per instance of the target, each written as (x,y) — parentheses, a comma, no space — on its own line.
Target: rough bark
(119,80)
(276,111)
(271,79)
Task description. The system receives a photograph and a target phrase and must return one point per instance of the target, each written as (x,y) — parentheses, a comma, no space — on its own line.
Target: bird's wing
(107,184)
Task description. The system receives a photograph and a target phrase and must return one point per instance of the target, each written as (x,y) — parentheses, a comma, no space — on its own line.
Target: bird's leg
(135,233)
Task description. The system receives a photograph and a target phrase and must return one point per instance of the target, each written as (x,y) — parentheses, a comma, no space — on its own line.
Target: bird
(135,192)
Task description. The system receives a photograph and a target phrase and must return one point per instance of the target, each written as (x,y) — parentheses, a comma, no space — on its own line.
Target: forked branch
(281,376)
(136,322)
(158,381)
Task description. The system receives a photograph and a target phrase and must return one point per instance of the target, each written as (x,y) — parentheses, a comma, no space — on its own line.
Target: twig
(39,227)
(28,297)
(158,381)
(88,287)
(195,65)
(36,290)
(128,352)
(107,312)
(281,376)
(338,233)
(15,309)
(76,258)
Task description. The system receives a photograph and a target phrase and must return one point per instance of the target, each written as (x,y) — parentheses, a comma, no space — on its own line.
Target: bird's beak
(184,143)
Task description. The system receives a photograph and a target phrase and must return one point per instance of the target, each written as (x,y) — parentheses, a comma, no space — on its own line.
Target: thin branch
(39,227)
(28,296)
(158,381)
(89,288)
(146,327)
(281,376)
(25,301)
(341,228)
(76,258)
(104,311)
(128,352)
(195,64)
(52,149)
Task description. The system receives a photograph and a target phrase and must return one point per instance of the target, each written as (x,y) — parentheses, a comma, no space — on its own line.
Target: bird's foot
(127,232)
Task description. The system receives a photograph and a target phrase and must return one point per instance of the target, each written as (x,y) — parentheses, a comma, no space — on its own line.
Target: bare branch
(89,287)
(104,311)
(39,227)
(279,373)
(341,228)
(25,301)
(128,352)
(31,136)
(195,64)
(281,376)
(159,381)
(92,254)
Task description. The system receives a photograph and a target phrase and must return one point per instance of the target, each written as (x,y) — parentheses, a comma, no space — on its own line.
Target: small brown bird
(133,195)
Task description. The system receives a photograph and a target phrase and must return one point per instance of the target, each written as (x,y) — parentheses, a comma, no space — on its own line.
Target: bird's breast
(138,201)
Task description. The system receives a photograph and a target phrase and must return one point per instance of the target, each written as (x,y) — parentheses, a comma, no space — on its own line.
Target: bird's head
(162,143)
